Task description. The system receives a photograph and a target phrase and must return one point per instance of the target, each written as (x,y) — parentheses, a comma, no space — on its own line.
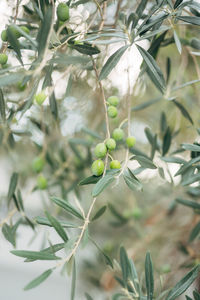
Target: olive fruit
(25,29)
(100,150)
(3,58)
(110,144)
(4,36)
(112,111)
(115,164)
(63,12)
(38,164)
(15,31)
(41,182)
(40,97)
(130,141)
(113,100)
(166,268)
(97,167)
(137,213)
(118,134)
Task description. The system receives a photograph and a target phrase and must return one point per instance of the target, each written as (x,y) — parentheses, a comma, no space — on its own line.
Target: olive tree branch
(103,98)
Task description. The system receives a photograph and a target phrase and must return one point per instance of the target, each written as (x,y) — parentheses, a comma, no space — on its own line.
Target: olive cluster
(109,145)
(4,37)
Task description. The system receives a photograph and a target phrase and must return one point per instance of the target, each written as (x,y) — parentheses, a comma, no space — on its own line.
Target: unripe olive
(115,164)
(113,100)
(3,58)
(4,36)
(166,268)
(21,86)
(111,144)
(63,12)
(118,134)
(100,150)
(15,31)
(97,167)
(41,182)
(130,141)
(25,29)
(40,97)
(38,164)
(112,111)
(137,213)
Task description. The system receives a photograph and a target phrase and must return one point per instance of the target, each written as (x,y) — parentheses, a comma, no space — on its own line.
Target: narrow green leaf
(20,200)
(149,276)
(154,71)
(183,284)
(13,41)
(89,180)
(44,31)
(99,213)
(191,179)
(166,141)
(195,43)
(187,165)
(68,207)
(112,62)
(168,69)
(12,186)
(57,226)
(9,234)
(102,184)
(45,221)
(52,249)
(195,232)
(88,297)
(189,203)
(190,20)
(107,258)
(177,42)
(183,110)
(125,265)
(185,84)
(191,147)
(175,160)
(53,105)
(38,280)
(149,23)
(132,182)
(34,255)
(145,162)
(141,7)
(86,48)
(146,104)
(177,3)
(2,106)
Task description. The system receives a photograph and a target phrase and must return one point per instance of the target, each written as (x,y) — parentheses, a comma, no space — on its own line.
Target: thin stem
(123,122)
(103,98)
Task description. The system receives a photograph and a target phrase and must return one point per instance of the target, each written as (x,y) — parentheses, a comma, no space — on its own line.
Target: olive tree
(70,133)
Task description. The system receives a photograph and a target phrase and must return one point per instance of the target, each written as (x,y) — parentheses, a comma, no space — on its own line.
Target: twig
(103,98)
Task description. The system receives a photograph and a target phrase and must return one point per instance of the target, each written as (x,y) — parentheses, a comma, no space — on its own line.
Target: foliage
(45,46)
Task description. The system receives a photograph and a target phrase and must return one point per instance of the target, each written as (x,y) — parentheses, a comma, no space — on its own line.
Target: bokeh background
(159,227)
